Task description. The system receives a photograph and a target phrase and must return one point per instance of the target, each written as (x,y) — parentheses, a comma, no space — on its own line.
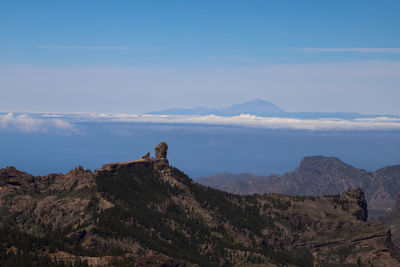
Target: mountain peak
(316,175)
(319,161)
(257,107)
(259,101)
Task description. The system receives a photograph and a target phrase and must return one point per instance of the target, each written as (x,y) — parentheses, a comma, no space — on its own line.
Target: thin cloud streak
(116,48)
(391,51)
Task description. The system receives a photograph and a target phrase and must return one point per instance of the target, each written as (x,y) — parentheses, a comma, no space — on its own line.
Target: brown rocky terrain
(392,220)
(148,213)
(317,176)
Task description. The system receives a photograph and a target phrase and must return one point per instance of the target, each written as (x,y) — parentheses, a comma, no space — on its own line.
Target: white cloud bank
(247,120)
(25,123)
(50,123)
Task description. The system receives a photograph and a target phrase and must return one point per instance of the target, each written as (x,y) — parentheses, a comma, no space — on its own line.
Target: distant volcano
(255,107)
(262,108)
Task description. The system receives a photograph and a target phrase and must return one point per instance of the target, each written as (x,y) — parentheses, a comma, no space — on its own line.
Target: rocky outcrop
(77,179)
(13,177)
(396,207)
(113,167)
(392,219)
(160,162)
(357,194)
(161,150)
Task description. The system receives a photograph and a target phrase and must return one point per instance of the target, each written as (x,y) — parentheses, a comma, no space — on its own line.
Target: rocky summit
(147,213)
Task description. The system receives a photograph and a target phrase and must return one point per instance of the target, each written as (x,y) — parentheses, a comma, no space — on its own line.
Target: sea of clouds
(69,123)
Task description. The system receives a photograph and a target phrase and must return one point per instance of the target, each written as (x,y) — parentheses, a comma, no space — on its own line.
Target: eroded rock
(359,196)
(161,150)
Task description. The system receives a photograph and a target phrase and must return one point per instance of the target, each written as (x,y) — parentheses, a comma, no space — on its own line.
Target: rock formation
(358,195)
(161,150)
(396,207)
(161,162)
(12,176)
(392,219)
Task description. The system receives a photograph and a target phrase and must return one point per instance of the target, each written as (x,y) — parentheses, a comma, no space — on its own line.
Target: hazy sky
(138,56)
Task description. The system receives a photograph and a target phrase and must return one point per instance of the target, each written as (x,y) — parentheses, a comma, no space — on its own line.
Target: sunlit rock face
(161,150)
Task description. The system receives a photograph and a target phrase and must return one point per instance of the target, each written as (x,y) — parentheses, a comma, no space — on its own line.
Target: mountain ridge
(259,107)
(316,175)
(145,212)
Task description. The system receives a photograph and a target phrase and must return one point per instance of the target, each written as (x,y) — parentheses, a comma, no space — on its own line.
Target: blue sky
(138,56)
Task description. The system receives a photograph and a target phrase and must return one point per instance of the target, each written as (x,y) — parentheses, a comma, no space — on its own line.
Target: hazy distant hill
(318,176)
(148,213)
(255,107)
(261,108)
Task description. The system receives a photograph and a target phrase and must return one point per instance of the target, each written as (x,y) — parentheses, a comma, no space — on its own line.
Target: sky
(139,56)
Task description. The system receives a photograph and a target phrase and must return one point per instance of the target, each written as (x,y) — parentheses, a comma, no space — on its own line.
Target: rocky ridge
(317,176)
(146,212)
(392,220)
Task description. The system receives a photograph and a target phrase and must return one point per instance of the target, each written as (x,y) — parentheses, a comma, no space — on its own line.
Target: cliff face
(146,212)
(317,176)
(392,220)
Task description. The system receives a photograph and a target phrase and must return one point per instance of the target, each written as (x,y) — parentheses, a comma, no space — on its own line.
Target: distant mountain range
(255,107)
(262,108)
(316,175)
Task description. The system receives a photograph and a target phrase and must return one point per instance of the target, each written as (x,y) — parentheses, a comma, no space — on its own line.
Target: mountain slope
(316,176)
(146,212)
